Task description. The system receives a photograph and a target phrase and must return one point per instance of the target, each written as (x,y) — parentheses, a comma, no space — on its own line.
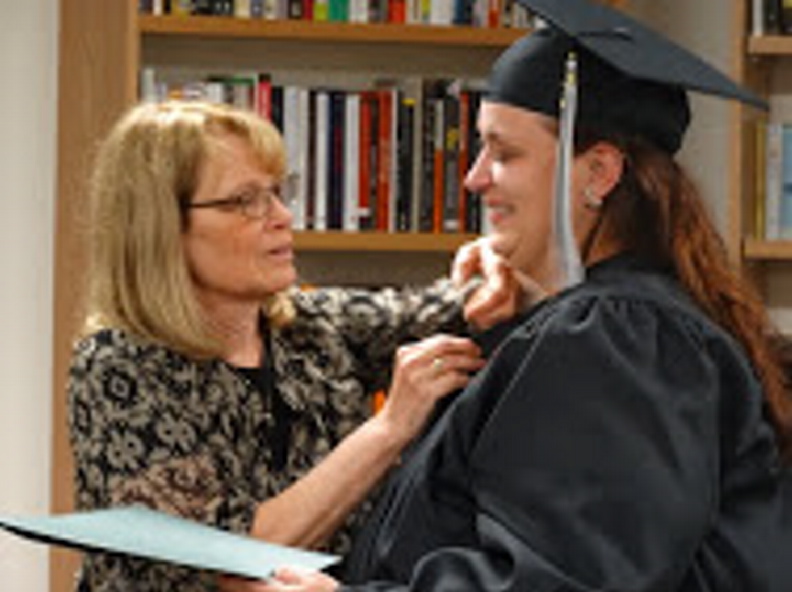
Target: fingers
(282,580)
(235,584)
(424,372)
(498,296)
(504,291)
(302,581)
(466,263)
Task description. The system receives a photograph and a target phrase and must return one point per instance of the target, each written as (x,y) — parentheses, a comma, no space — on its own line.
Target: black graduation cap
(595,67)
(630,78)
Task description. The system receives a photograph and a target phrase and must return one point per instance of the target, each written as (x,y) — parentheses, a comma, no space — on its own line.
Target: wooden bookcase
(104,43)
(765,65)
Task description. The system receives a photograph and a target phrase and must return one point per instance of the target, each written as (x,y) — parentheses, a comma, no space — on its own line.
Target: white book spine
(301,167)
(774,188)
(321,194)
(291,137)
(351,221)
(358,11)
(442,13)
(242,8)
(757,18)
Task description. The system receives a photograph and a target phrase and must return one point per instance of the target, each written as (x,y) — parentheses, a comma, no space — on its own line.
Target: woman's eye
(245,199)
(501,156)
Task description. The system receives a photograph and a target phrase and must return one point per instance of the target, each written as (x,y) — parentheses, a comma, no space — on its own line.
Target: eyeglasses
(254,202)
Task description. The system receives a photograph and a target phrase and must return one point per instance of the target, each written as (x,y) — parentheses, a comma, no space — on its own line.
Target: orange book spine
(494,13)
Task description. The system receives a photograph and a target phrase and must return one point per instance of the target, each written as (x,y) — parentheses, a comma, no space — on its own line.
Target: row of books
(383,158)
(479,13)
(771,17)
(773,212)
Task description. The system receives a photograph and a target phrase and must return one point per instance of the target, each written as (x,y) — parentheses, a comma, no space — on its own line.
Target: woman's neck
(236,325)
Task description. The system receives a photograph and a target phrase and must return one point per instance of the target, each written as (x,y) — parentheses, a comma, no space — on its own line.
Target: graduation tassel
(569,266)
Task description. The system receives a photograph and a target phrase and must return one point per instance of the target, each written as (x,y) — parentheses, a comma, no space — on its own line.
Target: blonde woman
(205,385)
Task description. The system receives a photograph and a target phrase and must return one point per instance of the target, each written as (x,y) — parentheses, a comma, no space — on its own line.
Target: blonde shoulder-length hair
(146,170)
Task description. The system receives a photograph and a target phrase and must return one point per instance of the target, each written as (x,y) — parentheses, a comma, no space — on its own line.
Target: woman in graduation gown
(631,432)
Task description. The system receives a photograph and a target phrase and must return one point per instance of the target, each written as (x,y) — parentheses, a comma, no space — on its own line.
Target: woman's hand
(283,580)
(504,291)
(425,372)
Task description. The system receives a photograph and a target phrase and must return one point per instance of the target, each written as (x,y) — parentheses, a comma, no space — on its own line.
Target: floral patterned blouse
(200,440)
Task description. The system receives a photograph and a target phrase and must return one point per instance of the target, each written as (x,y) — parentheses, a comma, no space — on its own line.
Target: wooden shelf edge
(770,45)
(379,241)
(229,27)
(763,250)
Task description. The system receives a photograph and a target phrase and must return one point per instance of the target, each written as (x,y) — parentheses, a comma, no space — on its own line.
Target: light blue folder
(154,535)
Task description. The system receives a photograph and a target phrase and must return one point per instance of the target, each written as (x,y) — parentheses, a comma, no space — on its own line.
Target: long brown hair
(657,196)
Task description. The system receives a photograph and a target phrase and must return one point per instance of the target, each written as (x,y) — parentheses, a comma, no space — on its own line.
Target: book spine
(322,143)
(404,176)
(384,160)
(438,166)
(774,180)
(426,193)
(785,217)
(242,9)
(352,158)
(463,162)
(292,139)
(760,177)
(338,11)
(296,9)
(397,11)
(321,10)
(367,151)
(451,163)
(335,169)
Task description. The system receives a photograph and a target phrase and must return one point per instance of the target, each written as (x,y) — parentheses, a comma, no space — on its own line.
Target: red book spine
(264,97)
(364,175)
(397,11)
(385,160)
(494,14)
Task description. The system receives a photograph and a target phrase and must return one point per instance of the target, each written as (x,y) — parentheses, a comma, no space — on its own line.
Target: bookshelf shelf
(770,45)
(379,241)
(762,250)
(342,33)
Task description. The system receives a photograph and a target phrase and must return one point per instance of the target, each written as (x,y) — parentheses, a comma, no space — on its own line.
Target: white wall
(707,32)
(28,69)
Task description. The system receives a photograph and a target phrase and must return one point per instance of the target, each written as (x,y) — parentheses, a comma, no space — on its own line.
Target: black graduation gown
(615,441)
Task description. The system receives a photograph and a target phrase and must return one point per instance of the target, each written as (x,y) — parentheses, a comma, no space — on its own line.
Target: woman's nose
(478,176)
(280,215)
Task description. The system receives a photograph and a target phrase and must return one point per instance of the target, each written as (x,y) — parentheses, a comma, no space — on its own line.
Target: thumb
(287,575)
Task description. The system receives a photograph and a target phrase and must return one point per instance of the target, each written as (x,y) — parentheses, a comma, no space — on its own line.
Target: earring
(590,200)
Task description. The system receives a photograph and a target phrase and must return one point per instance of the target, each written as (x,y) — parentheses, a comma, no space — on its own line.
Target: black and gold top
(201,440)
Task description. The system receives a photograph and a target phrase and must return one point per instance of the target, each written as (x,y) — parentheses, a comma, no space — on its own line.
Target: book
(774,180)
(149,534)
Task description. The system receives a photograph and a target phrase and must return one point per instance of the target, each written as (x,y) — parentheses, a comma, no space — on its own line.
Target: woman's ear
(605,163)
